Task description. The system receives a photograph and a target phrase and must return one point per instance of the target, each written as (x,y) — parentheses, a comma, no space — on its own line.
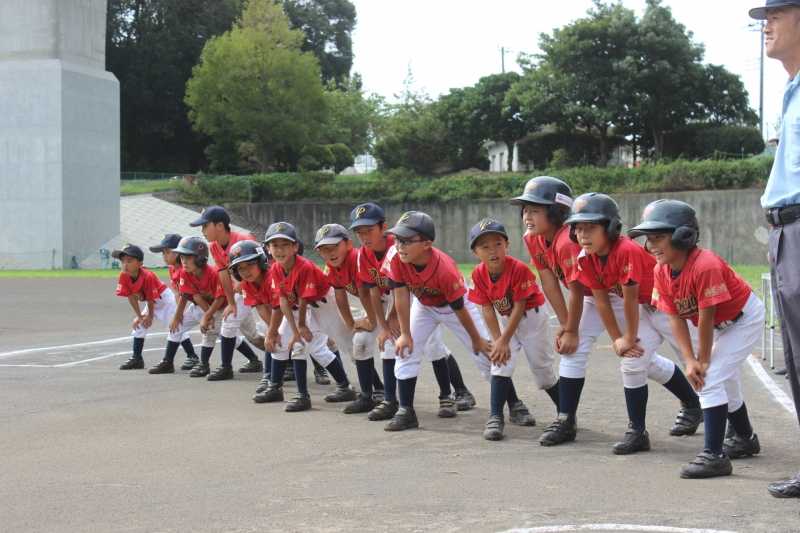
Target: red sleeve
(310,282)
(477,294)
(523,283)
(451,282)
(392,266)
(249,293)
(631,266)
(536,253)
(218,291)
(124,285)
(583,274)
(711,288)
(567,258)
(661,298)
(152,287)
(185,286)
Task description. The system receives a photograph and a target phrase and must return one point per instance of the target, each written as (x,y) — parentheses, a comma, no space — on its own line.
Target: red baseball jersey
(262,294)
(220,254)
(438,284)
(305,281)
(346,276)
(174,275)
(206,284)
(146,285)
(705,281)
(369,266)
(625,264)
(559,256)
(516,283)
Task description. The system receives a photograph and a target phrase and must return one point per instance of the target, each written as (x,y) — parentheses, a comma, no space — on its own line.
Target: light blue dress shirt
(783,187)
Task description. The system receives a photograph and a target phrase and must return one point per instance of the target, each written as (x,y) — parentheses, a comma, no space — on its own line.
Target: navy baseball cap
(413,223)
(367,214)
(760,13)
(131,250)
(485,227)
(280,230)
(169,242)
(330,234)
(214,213)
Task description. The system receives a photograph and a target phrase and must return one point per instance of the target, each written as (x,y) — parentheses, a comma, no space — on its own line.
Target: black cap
(330,234)
(760,13)
(130,250)
(214,213)
(484,227)
(367,214)
(169,242)
(413,223)
(280,230)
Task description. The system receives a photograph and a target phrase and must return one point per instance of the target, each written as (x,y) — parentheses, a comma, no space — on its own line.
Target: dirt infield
(89,448)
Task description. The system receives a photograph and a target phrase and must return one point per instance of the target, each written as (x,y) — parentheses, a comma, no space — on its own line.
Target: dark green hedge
(400,185)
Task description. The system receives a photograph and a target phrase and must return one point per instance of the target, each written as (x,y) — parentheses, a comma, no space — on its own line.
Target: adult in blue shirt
(781,198)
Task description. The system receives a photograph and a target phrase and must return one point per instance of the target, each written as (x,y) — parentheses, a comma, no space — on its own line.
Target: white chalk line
(82,361)
(76,345)
(773,388)
(614,527)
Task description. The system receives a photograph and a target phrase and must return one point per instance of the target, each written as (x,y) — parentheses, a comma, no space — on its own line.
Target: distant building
(364,164)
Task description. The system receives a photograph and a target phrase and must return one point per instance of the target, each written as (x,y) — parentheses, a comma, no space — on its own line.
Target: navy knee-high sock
(138,347)
(317,367)
(442,374)
(205,354)
(226,347)
(267,363)
(390,381)
(170,351)
(247,351)
(364,369)
(456,379)
(714,419)
(405,391)
(569,395)
(511,397)
(188,347)
(377,384)
(636,402)
(277,370)
(680,387)
(499,394)
(553,393)
(300,368)
(337,372)
(741,422)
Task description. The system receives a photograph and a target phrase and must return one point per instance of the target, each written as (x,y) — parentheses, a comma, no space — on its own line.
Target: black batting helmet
(595,208)
(549,191)
(243,252)
(194,246)
(670,216)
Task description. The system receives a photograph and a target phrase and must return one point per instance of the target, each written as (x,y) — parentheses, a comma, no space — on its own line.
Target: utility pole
(503,59)
(761,81)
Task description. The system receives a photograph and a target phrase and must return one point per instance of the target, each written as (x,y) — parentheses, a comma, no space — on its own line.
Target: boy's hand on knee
(696,374)
(272,341)
(230,310)
(624,347)
(566,342)
(404,344)
(500,353)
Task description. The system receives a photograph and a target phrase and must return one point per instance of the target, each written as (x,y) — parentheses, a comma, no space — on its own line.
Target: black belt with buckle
(728,323)
(783,216)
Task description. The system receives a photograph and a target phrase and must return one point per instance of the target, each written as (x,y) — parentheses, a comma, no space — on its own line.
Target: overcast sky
(452,43)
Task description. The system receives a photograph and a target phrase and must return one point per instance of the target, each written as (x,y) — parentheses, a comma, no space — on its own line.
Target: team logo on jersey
(616,289)
(360,211)
(687,307)
(715,290)
(505,304)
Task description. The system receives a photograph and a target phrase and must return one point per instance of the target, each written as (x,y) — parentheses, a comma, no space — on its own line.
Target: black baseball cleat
(737,446)
(383,411)
(787,488)
(560,431)
(263,384)
(343,393)
(447,408)
(189,363)
(687,421)
(321,377)
(300,402)
(362,404)
(134,363)
(402,420)
(273,393)
(707,464)
(633,441)
(464,400)
(200,370)
(519,415)
(221,374)
(252,366)
(494,428)
(163,367)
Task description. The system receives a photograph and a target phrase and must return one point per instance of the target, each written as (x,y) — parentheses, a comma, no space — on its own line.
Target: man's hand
(696,374)
(566,342)
(501,352)
(625,347)
(230,310)
(404,343)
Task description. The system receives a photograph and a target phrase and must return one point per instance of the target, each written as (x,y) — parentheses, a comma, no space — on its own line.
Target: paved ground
(89,448)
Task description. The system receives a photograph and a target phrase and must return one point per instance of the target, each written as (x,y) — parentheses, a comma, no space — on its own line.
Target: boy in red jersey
(694,284)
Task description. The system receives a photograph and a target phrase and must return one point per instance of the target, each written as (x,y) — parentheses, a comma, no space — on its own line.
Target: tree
(328,27)
(352,116)
(464,138)
(255,84)
(723,98)
(151,47)
(413,137)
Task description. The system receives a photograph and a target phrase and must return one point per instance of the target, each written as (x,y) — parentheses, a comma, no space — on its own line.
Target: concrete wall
(731,221)
(59,133)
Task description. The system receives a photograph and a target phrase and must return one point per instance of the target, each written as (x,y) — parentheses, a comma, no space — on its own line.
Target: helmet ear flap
(614,228)
(685,237)
(200,261)
(556,214)
(235,274)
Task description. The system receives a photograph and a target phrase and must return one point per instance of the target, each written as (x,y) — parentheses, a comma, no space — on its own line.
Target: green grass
(128,187)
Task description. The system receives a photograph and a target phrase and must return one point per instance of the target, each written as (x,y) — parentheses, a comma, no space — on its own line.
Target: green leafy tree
(352,116)
(414,138)
(723,98)
(255,84)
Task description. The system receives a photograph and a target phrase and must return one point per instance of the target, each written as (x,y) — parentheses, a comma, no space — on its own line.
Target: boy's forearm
(343,305)
(365,298)
(492,324)
(376,298)
(555,297)
(680,331)
(402,301)
(705,328)
(134,303)
(227,286)
(575,309)
(466,321)
(513,321)
(606,313)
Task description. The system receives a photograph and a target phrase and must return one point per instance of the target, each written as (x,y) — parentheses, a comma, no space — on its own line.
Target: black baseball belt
(783,216)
